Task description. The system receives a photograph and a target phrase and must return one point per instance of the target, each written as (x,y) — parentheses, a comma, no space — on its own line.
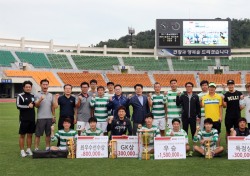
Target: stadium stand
(192,64)
(36,75)
(95,62)
(164,79)
(75,79)
(147,63)
(247,78)
(129,80)
(221,78)
(6,58)
(38,60)
(236,63)
(59,61)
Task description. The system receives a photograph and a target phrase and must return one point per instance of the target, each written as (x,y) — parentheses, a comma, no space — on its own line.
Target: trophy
(208,152)
(113,149)
(144,137)
(71,148)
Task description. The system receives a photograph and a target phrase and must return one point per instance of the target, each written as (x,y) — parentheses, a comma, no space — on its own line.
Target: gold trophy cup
(208,152)
(71,148)
(145,142)
(113,148)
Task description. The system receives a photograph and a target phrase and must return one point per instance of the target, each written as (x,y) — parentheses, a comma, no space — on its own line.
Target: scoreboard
(207,36)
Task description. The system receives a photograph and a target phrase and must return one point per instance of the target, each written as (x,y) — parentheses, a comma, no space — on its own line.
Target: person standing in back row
(140,106)
(191,110)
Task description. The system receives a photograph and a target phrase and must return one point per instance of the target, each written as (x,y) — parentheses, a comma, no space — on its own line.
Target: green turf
(12,164)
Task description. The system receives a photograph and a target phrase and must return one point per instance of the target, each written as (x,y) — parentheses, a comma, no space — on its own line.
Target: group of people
(96,112)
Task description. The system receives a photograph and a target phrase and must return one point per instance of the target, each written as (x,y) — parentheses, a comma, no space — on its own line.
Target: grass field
(12,164)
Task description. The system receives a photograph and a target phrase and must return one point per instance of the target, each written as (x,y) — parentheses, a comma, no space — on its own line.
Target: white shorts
(102,126)
(160,123)
(169,124)
(80,126)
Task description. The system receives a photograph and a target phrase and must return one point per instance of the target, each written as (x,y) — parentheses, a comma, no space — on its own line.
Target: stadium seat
(236,63)
(6,58)
(147,63)
(36,75)
(38,60)
(75,79)
(192,64)
(59,61)
(95,62)
(129,80)
(164,79)
(221,78)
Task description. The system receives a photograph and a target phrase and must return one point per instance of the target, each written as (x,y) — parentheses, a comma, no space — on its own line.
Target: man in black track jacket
(191,111)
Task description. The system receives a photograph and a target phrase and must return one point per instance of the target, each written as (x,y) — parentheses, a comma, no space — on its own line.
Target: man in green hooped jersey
(204,91)
(173,111)
(152,130)
(93,130)
(63,135)
(100,105)
(178,131)
(157,102)
(207,134)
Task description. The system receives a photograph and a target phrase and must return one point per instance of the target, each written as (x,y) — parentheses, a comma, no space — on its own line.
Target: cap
(212,84)
(230,81)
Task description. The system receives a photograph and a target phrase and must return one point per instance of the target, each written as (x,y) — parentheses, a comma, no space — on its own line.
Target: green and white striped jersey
(100,108)
(181,132)
(201,94)
(63,136)
(173,110)
(158,109)
(212,135)
(153,132)
(89,132)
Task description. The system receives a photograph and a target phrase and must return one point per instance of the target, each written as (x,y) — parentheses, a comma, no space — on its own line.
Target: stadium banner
(170,147)
(92,147)
(238,147)
(194,52)
(127,146)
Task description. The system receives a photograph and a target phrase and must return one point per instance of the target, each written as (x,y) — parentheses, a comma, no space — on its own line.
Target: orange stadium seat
(75,79)
(129,80)
(36,75)
(164,79)
(220,78)
(248,78)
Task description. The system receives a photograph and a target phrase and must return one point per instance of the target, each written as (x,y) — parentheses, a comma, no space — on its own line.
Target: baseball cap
(212,84)
(230,81)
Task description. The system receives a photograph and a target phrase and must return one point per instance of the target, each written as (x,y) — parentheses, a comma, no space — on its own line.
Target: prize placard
(170,147)
(127,146)
(92,147)
(238,147)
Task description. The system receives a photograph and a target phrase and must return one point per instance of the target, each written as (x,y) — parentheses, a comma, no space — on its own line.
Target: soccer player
(93,130)
(140,106)
(153,131)
(207,134)
(45,114)
(173,111)
(93,86)
(177,131)
(242,130)
(118,100)
(245,103)
(158,103)
(120,126)
(25,104)
(63,134)
(83,108)
(204,91)
(100,105)
(212,103)
(111,92)
(67,106)
(191,110)
(232,104)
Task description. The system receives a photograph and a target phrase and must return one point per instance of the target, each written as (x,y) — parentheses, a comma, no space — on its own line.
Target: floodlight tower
(131,31)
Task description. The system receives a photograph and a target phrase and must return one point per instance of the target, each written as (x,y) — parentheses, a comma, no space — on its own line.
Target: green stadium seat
(236,63)
(6,58)
(59,61)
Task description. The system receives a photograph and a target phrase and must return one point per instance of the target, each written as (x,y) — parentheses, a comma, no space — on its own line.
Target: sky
(87,22)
